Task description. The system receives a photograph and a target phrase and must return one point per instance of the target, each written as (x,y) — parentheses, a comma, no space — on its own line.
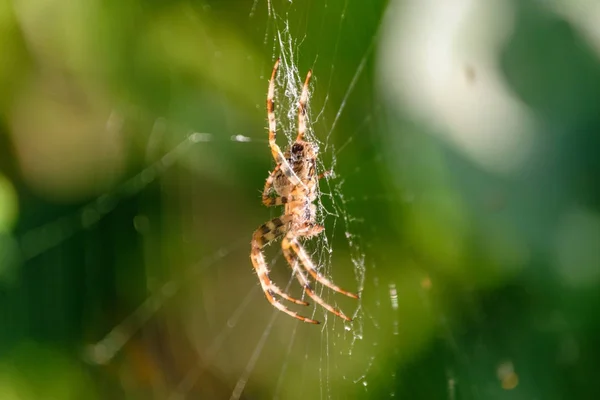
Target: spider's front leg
(266,198)
(275,149)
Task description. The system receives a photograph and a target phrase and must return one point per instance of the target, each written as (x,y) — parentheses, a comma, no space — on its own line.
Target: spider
(295,182)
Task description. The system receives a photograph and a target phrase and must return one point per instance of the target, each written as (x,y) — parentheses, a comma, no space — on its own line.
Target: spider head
(297,148)
(302,150)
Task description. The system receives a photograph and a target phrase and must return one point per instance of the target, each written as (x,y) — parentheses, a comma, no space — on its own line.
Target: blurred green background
(465,205)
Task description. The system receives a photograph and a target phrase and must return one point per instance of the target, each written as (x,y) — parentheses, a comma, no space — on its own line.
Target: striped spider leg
(295,183)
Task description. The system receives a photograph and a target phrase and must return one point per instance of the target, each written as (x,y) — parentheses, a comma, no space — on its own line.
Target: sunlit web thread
(355,77)
(243,379)
(287,45)
(289,79)
(363,378)
(284,367)
(394,304)
(327,263)
(297,324)
(339,209)
(121,334)
(333,56)
(324,374)
(292,82)
(323,249)
(323,253)
(104,350)
(195,373)
(42,238)
(208,357)
(286,48)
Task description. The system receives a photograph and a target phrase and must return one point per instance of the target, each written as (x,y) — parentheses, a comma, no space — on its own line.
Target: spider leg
(273,201)
(302,108)
(275,150)
(279,200)
(309,266)
(261,237)
(292,259)
(266,199)
(325,174)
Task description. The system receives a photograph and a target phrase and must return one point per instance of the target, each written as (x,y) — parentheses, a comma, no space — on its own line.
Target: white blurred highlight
(584,16)
(439,63)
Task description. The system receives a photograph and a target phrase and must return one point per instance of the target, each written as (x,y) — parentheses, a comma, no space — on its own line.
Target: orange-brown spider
(295,182)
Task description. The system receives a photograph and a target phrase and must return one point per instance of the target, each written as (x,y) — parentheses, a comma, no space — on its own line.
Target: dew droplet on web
(393,296)
(241,138)
(197,137)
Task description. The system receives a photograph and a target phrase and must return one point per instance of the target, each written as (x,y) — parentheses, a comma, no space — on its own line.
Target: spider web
(240,345)
(136,145)
(190,319)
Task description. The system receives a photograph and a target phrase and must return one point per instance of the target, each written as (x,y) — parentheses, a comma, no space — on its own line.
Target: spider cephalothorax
(302,152)
(301,159)
(294,182)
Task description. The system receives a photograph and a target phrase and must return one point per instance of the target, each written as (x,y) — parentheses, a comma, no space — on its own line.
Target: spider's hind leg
(261,237)
(310,267)
(292,258)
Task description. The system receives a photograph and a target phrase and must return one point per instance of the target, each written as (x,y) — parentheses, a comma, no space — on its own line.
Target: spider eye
(297,148)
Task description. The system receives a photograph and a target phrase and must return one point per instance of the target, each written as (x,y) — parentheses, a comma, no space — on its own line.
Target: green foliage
(479,282)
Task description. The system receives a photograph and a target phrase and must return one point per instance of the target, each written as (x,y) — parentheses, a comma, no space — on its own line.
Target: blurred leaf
(33,372)
(8,205)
